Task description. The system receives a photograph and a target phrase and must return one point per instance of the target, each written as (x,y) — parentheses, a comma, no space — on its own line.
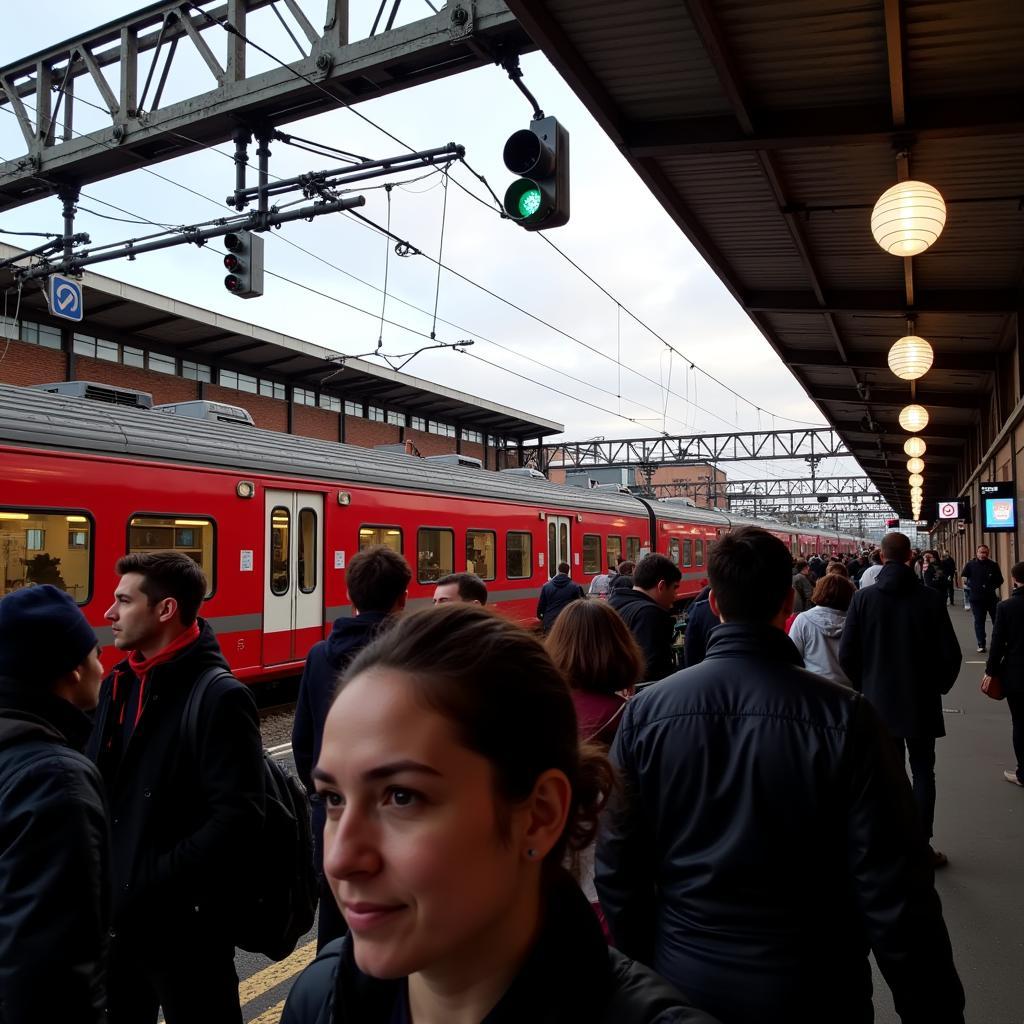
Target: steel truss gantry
(128,61)
(830,487)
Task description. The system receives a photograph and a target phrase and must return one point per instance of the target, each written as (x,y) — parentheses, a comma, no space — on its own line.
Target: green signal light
(529,202)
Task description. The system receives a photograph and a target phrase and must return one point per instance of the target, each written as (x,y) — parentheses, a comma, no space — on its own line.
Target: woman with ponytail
(454,787)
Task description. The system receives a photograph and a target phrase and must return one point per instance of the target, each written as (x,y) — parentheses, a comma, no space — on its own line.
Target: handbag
(992,687)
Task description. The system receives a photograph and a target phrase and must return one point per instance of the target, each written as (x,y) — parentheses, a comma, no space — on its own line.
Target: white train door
(559,547)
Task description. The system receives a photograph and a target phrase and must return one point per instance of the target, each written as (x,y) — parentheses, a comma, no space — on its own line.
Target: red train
(273,519)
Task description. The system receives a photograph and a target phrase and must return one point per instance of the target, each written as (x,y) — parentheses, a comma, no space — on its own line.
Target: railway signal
(539,197)
(244,263)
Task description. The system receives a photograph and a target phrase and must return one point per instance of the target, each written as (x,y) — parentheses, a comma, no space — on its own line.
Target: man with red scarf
(185,815)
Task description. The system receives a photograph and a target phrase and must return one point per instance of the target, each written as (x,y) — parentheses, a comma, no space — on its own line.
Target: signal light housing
(539,198)
(244,262)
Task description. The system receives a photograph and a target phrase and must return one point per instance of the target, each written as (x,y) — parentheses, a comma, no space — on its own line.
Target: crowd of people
(568,824)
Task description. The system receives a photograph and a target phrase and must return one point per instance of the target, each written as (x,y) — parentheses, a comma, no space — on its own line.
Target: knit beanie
(43,634)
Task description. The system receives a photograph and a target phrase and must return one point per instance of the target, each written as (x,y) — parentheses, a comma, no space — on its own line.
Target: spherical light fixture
(915,465)
(908,218)
(915,447)
(911,357)
(916,480)
(916,492)
(914,418)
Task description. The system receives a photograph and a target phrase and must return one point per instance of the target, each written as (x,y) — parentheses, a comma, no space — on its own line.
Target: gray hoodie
(816,634)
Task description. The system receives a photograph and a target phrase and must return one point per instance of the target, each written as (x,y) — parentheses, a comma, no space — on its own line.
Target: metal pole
(69,197)
(242,139)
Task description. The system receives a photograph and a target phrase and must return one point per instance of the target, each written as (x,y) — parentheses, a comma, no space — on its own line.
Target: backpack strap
(190,719)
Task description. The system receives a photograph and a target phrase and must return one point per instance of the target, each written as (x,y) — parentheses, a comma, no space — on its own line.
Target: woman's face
(412,849)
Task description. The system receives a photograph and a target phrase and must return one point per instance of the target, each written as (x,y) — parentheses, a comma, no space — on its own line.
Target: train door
(293,607)
(559,549)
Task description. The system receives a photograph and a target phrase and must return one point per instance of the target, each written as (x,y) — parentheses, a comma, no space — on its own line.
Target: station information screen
(999,506)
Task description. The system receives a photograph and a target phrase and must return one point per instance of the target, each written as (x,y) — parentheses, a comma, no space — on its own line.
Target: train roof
(38,419)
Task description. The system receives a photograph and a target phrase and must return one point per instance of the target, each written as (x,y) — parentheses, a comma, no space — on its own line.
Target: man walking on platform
(764,839)
(983,578)
(647,610)
(900,650)
(185,815)
(1006,665)
(559,591)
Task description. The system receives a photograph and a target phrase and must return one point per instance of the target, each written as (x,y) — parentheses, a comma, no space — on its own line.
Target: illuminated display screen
(999,504)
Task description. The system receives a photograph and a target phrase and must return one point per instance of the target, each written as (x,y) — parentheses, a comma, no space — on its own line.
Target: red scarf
(143,666)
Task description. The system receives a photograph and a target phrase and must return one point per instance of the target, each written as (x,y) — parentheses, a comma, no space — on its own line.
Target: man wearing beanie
(54,845)
(186,810)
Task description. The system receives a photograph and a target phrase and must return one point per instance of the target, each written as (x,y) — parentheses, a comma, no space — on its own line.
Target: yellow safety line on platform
(271,1016)
(263,981)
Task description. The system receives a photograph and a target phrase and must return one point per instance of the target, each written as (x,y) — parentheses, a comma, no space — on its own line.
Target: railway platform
(979,824)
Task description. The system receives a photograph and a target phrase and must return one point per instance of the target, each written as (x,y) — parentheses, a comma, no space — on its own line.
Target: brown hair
(168,574)
(376,578)
(833,590)
(508,702)
(594,649)
(838,569)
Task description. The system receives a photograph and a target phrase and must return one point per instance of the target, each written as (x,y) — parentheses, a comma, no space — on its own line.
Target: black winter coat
(900,650)
(1006,655)
(982,578)
(571,977)
(699,624)
(765,840)
(559,591)
(652,627)
(54,863)
(182,821)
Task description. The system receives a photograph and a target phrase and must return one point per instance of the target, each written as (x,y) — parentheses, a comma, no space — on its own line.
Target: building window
(303,396)
(83,345)
(131,356)
(435,551)
(591,554)
(372,536)
(353,408)
(472,435)
(272,389)
(330,403)
(396,419)
(442,429)
(191,370)
(39,334)
(614,551)
(518,555)
(45,547)
(107,350)
(192,536)
(238,381)
(161,363)
(480,553)
(375,413)
(417,423)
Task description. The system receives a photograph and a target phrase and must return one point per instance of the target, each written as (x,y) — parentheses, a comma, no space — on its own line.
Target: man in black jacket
(1006,664)
(982,578)
(54,844)
(646,609)
(699,624)
(900,650)
(377,579)
(765,840)
(185,818)
(559,591)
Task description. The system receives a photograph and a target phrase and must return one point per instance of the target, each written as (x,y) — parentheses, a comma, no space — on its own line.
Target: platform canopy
(768,129)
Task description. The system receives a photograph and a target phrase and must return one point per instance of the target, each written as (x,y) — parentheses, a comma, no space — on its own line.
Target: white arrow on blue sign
(65,297)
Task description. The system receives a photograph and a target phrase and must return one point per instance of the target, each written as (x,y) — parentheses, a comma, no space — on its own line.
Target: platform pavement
(979,825)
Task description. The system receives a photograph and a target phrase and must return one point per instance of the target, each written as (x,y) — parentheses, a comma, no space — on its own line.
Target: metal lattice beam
(802,486)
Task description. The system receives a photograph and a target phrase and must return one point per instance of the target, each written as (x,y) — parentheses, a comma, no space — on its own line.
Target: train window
(673,549)
(280,551)
(687,553)
(591,554)
(307,550)
(518,556)
(435,554)
(192,536)
(614,550)
(633,549)
(481,553)
(46,547)
(700,553)
(372,536)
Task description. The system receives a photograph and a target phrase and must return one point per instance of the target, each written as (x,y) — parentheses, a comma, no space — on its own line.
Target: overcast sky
(618,233)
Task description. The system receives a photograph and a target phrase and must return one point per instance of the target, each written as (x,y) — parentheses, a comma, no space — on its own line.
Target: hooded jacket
(1006,654)
(570,977)
(54,863)
(182,819)
(815,634)
(764,839)
(559,591)
(652,627)
(900,650)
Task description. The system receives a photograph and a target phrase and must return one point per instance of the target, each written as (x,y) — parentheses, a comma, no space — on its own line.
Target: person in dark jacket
(185,817)
(54,843)
(699,624)
(764,839)
(900,650)
(646,609)
(1006,663)
(982,579)
(623,578)
(377,580)
(948,566)
(445,842)
(803,586)
(558,592)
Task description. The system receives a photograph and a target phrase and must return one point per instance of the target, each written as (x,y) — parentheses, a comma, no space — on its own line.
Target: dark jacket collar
(567,975)
(749,639)
(352,633)
(894,577)
(54,716)
(183,668)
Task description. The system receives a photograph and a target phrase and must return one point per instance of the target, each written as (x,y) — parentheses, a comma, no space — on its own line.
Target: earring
(531,853)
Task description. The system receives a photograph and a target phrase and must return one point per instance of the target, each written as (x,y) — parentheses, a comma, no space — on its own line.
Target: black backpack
(279,903)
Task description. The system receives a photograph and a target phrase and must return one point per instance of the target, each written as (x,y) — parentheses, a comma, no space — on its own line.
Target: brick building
(704,484)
